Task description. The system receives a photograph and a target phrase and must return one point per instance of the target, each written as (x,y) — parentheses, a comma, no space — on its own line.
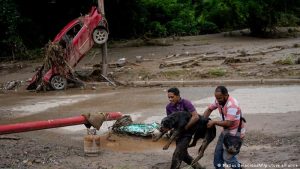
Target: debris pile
(125,125)
(11,85)
(55,57)
(55,60)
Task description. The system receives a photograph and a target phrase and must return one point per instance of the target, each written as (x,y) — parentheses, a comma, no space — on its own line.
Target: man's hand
(193,120)
(210,123)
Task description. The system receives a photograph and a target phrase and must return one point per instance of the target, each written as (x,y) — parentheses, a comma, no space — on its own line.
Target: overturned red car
(76,38)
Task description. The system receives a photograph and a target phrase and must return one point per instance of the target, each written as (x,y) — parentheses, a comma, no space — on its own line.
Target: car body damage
(67,49)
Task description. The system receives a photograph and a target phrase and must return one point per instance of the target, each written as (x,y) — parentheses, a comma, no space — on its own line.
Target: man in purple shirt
(178,104)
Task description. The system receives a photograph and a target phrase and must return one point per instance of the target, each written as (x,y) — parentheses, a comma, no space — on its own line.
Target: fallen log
(179,62)
(240,60)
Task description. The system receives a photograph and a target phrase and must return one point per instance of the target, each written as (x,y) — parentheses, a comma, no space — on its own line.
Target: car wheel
(58,82)
(100,36)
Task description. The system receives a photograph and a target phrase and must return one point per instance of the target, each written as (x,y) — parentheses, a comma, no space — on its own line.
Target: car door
(72,43)
(82,39)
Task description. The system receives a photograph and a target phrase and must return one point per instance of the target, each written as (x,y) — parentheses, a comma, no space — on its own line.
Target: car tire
(100,36)
(58,82)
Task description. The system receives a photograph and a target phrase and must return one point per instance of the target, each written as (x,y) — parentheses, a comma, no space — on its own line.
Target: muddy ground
(33,150)
(272,140)
(218,56)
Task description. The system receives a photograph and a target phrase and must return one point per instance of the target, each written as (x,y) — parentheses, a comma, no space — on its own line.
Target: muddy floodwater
(263,106)
(144,105)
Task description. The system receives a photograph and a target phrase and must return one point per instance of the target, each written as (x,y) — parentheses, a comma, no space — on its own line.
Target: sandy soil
(272,139)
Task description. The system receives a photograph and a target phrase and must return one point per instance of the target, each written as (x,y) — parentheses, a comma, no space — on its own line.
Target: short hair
(222,89)
(174,90)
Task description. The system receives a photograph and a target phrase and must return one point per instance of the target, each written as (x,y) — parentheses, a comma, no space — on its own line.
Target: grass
(174,73)
(144,74)
(217,72)
(285,61)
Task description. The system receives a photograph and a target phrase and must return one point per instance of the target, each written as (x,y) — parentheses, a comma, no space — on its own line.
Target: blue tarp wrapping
(139,129)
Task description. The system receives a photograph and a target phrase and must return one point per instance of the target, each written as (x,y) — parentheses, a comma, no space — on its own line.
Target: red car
(77,37)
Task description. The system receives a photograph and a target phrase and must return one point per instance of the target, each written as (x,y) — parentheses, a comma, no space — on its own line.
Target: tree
(11,43)
(264,15)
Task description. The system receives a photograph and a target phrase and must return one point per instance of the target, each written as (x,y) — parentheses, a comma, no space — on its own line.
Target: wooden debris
(240,60)
(211,58)
(191,65)
(179,62)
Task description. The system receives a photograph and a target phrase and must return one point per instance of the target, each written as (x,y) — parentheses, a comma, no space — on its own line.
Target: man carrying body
(231,113)
(178,104)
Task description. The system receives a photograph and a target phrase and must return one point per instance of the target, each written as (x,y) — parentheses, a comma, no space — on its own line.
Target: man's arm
(211,123)
(207,113)
(226,123)
(193,120)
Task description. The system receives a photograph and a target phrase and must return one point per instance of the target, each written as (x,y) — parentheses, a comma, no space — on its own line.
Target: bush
(208,27)
(287,20)
(157,29)
(263,16)
(177,27)
(285,61)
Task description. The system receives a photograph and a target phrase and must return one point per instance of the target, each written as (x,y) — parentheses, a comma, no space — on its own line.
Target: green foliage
(289,60)
(173,16)
(10,42)
(218,72)
(264,16)
(171,74)
(286,19)
(157,29)
(184,24)
(208,27)
(225,14)
(23,28)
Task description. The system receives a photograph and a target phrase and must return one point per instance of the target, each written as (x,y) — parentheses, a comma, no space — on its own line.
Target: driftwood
(184,54)
(179,62)
(170,56)
(193,64)
(263,52)
(211,58)
(240,60)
